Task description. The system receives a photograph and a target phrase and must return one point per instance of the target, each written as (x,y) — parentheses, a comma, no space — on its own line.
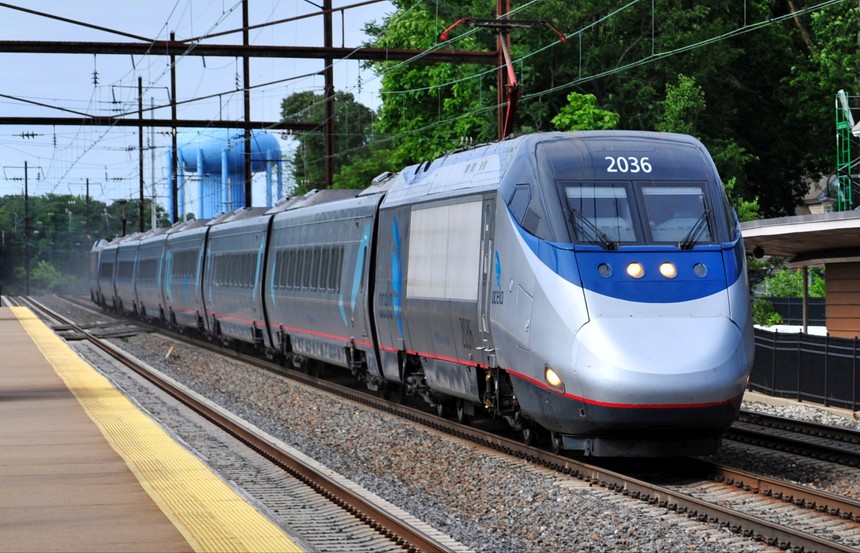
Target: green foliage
(764,313)
(788,283)
(44,277)
(747,210)
(62,229)
(732,93)
(582,114)
(429,108)
(684,104)
(352,122)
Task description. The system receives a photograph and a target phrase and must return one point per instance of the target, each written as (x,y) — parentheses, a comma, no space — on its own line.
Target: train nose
(661,361)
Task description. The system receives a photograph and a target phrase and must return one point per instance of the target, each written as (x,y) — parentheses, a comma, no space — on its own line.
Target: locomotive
(590,287)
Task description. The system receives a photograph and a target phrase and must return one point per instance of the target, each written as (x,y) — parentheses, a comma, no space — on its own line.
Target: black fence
(791,310)
(819,369)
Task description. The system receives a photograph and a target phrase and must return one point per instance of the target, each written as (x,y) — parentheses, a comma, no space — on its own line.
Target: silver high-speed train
(589,286)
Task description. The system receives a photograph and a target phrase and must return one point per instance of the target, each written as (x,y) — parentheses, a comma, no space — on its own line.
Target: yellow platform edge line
(208,513)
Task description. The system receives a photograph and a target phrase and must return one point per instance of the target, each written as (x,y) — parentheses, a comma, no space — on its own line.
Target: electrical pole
(174,158)
(88,209)
(26,232)
(246,97)
(152,162)
(140,145)
(328,73)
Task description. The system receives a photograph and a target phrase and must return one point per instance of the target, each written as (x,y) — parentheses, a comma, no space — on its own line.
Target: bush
(764,313)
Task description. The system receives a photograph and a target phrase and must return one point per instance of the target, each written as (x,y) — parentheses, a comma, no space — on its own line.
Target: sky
(60,159)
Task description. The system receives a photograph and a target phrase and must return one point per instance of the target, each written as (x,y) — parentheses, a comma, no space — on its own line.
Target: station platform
(83,469)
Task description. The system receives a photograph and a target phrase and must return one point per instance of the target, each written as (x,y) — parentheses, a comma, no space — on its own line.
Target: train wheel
(462,416)
(529,434)
(555,442)
(442,409)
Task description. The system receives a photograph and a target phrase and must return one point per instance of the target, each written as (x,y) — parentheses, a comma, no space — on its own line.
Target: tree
(582,114)
(352,127)
(788,283)
(760,133)
(430,108)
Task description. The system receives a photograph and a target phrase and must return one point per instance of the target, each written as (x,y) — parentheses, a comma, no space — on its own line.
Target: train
(587,288)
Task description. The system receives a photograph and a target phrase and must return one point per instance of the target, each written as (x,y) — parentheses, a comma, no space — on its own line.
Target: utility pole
(26,232)
(87,204)
(152,162)
(174,158)
(328,76)
(140,145)
(506,84)
(246,97)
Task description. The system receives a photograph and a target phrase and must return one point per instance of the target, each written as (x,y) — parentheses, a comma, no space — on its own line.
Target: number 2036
(628,164)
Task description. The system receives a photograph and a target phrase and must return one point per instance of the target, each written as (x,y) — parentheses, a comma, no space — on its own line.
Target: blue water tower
(217,158)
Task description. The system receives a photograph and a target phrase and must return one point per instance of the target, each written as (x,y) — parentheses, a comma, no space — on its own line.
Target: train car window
(106,270)
(315,268)
(252,273)
(676,212)
(306,269)
(600,213)
(298,263)
(184,264)
(729,214)
(324,268)
(519,201)
(337,264)
(147,270)
(280,272)
(125,270)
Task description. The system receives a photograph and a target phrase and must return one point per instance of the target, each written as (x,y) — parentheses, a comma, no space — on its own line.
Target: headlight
(668,270)
(700,270)
(636,270)
(553,379)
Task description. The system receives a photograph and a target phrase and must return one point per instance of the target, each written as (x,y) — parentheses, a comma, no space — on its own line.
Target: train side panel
(107,274)
(432,291)
(148,277)
(233,281)
(183,266)
(126,263)
(94,266)
(317,287)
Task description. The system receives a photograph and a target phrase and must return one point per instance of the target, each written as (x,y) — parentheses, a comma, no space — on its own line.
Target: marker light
(553,379)
(604,270)
(700,270)
(636,270)
(668,270)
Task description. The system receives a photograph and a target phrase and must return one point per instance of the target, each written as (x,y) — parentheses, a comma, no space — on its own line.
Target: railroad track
(392,528)
(778,513)
(819,441)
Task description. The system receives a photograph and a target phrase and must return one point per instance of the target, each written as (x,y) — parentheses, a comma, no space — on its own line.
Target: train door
(490,279)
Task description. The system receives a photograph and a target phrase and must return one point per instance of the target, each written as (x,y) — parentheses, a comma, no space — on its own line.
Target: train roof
(483,167)
(238,215)
(314,197)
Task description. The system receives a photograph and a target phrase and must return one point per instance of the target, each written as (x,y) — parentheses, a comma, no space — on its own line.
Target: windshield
(600,213)
(613,213)
(676,214)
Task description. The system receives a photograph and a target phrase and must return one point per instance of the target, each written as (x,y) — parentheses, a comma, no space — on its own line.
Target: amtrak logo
(497,296)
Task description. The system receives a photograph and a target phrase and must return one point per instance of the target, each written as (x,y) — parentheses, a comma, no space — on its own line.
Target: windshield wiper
(600,237)
(693,235)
